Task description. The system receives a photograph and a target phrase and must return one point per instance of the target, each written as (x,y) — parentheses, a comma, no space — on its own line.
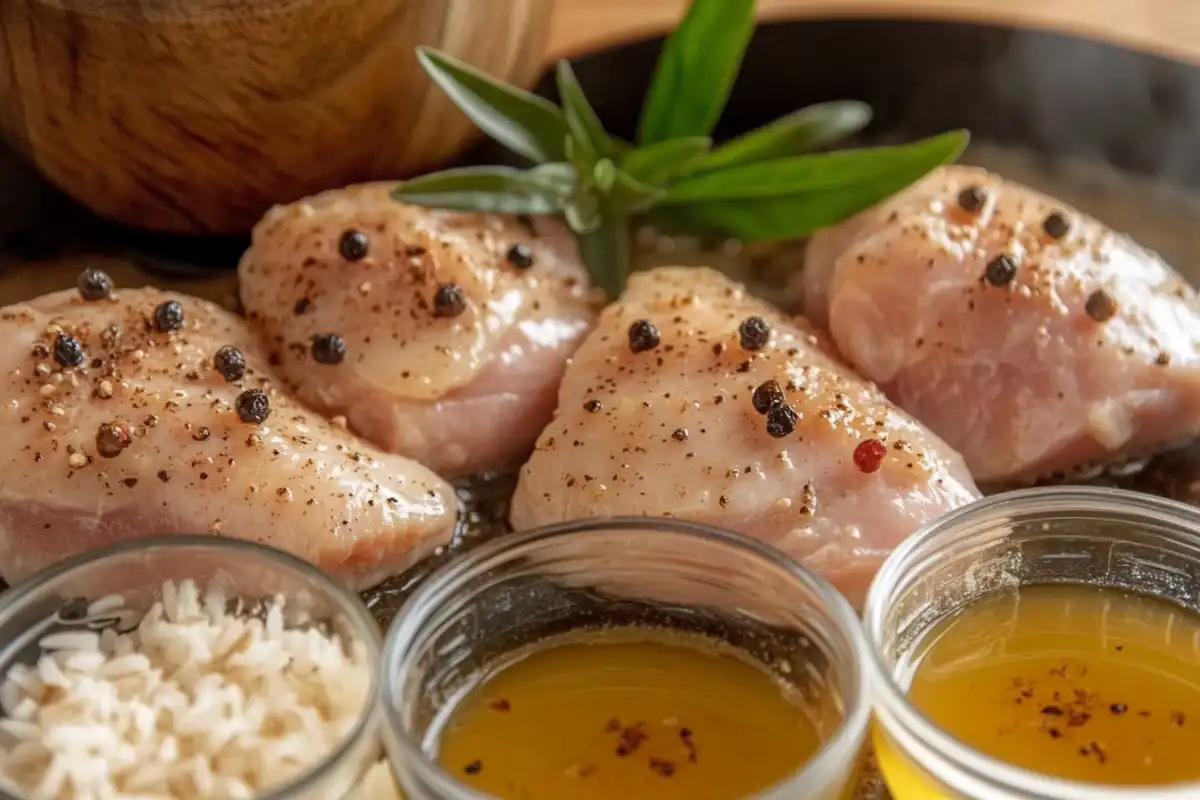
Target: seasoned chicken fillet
(130,416)
(451,329)
(1028,335)
(668,409)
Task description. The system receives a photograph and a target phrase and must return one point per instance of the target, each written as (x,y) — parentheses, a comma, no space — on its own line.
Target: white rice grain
(200,700)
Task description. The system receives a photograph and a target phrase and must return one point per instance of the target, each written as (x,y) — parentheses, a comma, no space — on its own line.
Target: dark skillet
(1055,96)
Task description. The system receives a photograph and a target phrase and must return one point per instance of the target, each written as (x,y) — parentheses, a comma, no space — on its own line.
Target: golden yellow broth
(629,714)
(1077,682)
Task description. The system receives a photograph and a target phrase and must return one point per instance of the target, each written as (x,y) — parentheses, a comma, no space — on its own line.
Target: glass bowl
(63,598)
(1067,535)
(623,572)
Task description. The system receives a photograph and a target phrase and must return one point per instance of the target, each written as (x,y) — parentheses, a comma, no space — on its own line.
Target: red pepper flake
(1118,708)
(501,705)
(868,456)
(474,768)
(1178,717)
(662,766)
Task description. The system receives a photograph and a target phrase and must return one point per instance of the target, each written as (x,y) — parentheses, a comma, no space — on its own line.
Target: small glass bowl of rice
(186,667)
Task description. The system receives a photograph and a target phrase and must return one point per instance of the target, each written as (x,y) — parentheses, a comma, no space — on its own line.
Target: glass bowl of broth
(633,658)
(1042,643)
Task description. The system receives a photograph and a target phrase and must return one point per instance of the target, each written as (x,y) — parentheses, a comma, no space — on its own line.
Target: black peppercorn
(680,435)
(111,439)
(354,245)
(328,348)
(1100,306)
(755,333)
(781,421)
(168,316)
(643,336)
(1001,270)
(767,396)
(230,362)
(520,256)
(94,284)
(972,198)
(1056,225)
(448,300)
(68,352)
(253,406)
(592,406)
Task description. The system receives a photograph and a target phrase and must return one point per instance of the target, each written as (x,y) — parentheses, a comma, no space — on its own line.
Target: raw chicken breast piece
(456,327)
(119,428)
(1029,336)
(674,431)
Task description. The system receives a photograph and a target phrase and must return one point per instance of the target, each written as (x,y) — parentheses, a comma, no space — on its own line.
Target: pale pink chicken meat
(120,427)
(1029,336)
(674,431)
(455,327)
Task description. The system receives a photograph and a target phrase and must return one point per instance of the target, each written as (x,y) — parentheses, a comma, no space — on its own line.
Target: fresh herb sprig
(765,185)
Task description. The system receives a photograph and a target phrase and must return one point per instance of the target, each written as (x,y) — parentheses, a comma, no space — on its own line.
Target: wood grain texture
(195,116)
(1170,27)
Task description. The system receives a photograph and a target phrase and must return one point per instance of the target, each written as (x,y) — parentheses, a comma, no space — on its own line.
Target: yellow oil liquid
(1077,682)
(627,714)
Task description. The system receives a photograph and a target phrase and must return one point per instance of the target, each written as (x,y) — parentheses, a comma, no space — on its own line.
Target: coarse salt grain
(196,702)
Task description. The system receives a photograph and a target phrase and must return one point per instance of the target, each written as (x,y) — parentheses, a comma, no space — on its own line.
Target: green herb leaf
(501,190)
(788,215)
(605,251)
(801,131)
(630,196)
(696,70)
(582,211)
(523,122)
(825,172)
(582,121)
(658,163)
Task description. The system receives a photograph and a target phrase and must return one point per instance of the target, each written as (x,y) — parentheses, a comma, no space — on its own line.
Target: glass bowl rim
(342,598)
(893,702)
(439,585)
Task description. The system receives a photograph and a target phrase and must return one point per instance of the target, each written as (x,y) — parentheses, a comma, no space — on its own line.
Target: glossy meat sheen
(1021,378)
(460,394)
(673,432)
(192,465)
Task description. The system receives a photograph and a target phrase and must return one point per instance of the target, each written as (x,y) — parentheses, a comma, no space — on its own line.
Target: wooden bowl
(194,116)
